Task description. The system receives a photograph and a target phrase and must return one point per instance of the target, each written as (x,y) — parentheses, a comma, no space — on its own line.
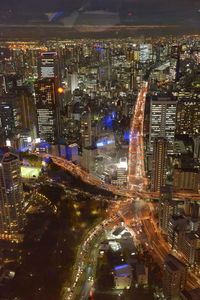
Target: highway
(84,267)
(135,193)
(159,248)
(136,182)
(136,174)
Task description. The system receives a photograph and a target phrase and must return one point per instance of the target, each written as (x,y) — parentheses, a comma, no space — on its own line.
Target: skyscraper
(88,129)
(196,151)
(186,180)
(26,113)
(47,109)
(9,117)
(177,227)
(162,120)
(191,246)
(158,176)
(121,175)
(174,277)
(47,98)
(188,119)
(48,64)
(167,207)
(7,122)
(11,195)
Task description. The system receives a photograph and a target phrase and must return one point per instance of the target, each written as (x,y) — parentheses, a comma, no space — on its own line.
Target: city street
(84,268)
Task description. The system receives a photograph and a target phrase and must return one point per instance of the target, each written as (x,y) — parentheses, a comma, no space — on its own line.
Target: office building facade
(47,107)
(191,247)
(48,64)
(188,117)
(159,160)
(11,195)
(162,120)
(47,96)
(187,180)
(174,277)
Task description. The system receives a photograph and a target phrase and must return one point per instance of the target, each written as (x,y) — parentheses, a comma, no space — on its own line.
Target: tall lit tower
(176,52)
(158,176)
(47,96)
(11,195)
(162,120)
(48,65)
(188,120)
(47,109)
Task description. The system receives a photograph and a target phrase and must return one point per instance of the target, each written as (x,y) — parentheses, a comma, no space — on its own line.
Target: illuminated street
(137,189)
(99,150)
(156,244)
(83,269)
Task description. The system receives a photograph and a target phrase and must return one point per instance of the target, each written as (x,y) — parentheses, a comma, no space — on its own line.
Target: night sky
(69,5)
(167,12)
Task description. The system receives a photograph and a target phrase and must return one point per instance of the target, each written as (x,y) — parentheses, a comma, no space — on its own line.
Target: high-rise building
(121,176)
(186,180)
(192,208)
(72,152)
(88,129)
(162,120)
(188,118)
(87,161)
(27,112)
(196,150)
(174,277)
(167,207)
(19,62)
(191,246)
(47,107)
(31,61)
(11,195)
(158,176)
(145,52)
(7,123)
(9,116)
(48,65)
(72,79)
(48,100)
(177,227)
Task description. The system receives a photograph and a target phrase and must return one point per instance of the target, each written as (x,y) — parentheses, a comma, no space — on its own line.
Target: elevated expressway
(133,190)
(136,174)
(137,182)
(136,189)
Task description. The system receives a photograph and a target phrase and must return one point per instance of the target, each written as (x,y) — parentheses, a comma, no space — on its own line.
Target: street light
(60,90)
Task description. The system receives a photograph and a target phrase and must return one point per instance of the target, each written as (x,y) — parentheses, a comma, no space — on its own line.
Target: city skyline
(100,166)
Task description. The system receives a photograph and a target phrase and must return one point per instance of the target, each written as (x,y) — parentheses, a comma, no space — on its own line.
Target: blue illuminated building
(121,267)
(104,143)
(108,122)
(127,136)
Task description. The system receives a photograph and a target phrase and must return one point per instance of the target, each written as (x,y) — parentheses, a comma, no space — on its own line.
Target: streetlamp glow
(60,90)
